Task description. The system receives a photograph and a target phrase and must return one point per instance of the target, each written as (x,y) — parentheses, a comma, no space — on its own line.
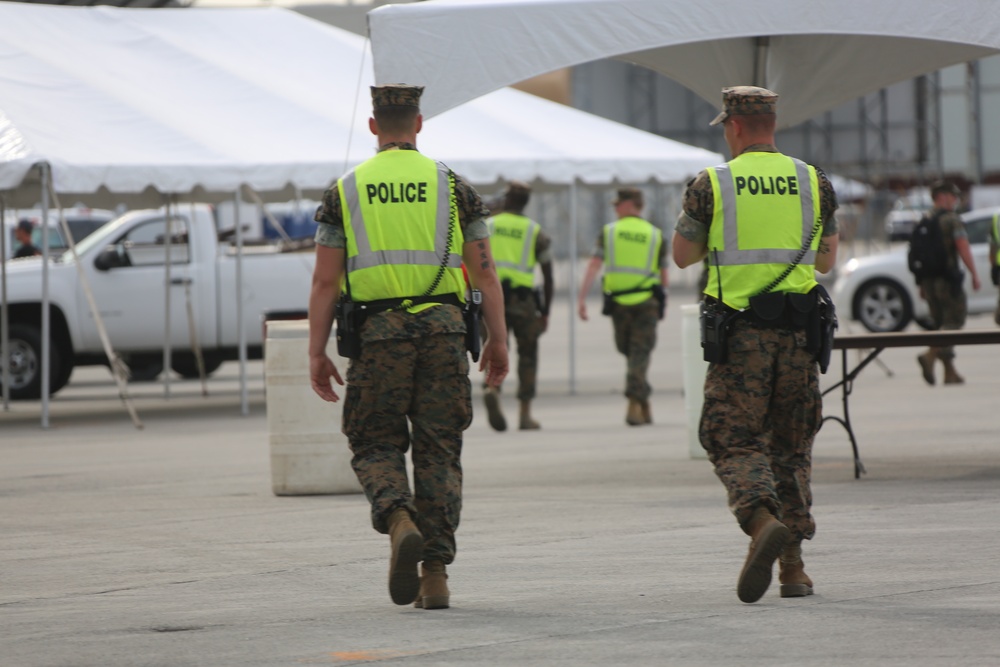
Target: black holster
(471,314)
(660,295)
(715,320)
(995,275)
(349,319)
(825,327)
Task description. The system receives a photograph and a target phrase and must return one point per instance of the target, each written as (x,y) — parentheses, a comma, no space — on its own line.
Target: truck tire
(185,364)
(25,363)
(144,369)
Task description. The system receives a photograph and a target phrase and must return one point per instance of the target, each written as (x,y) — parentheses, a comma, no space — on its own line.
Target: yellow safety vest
(401,222)
(766,208)
(631,254)
(512,240)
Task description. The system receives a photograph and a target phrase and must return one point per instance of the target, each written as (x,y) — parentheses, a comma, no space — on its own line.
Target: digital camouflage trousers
(415,393)
(761,412)
(635,337)
(949,308)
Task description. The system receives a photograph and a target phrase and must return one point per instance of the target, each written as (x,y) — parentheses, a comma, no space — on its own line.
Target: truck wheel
(144,370)
(25,363)
(186,365)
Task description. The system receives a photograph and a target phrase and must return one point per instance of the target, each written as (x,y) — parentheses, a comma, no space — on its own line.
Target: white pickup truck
(125,264)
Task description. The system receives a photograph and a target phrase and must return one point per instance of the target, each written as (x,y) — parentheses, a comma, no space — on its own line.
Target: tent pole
(4,324)
(199,357)
(118,369)
(46,320)
(760,62)
(573,210)
(244,399)
(167,361)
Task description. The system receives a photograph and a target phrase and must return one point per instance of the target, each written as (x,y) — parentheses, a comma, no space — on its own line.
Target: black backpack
(927,257)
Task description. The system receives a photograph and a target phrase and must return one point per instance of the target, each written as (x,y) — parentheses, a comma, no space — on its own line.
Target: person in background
(945,294)
(22,234)
(995,260)
(518,245)
(633,254)
(393,233)
(766,223)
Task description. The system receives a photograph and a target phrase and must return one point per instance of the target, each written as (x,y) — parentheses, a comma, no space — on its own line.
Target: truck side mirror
(112,257)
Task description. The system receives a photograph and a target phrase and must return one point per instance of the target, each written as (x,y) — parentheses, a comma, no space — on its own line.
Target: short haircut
(759,123)
(515,200)
(395,119)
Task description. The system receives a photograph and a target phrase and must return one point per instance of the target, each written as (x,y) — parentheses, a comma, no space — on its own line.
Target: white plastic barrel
(695,368)
(309,454)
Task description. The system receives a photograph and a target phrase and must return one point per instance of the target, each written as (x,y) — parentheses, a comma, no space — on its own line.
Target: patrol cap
(937,187)
(396,95)
(25,226)
(626,194)
(746,101)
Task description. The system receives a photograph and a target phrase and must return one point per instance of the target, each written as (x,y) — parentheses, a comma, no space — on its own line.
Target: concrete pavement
(586,543)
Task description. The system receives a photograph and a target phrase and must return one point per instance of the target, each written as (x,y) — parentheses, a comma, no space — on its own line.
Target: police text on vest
(396,193)
(767,185)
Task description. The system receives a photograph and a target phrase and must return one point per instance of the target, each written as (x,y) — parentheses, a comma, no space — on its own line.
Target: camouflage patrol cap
(396,95)
(937,187)
(746,101)
(626,194)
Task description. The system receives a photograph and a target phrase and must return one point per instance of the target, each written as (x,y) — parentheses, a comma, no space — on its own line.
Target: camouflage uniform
(524,320)
(413,366)
(945,296)
(762,408)
(635,334)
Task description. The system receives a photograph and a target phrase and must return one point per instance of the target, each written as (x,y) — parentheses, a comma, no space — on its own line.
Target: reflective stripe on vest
(398,208)
(627,264)
(512,240)
(748,262)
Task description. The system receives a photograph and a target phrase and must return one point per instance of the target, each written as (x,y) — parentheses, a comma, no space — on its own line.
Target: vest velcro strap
(382,305)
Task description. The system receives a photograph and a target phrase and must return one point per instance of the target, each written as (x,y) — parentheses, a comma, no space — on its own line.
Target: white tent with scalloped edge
(816,55)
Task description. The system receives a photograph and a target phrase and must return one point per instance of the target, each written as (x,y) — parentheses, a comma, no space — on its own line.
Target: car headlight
(850,267)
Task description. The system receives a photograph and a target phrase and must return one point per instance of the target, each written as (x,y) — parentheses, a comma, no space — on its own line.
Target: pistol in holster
(715,322)
(660,295)
(349,318)
(825,327)
(820,326)
(471,314)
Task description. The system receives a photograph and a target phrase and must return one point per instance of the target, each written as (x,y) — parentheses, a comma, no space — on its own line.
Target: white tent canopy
(132,103)
(817,55)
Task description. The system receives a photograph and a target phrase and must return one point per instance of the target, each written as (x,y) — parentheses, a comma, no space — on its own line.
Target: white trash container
(309,454)
(695,368)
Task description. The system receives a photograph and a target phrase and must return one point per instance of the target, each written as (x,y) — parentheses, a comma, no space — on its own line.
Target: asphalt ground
(585,543)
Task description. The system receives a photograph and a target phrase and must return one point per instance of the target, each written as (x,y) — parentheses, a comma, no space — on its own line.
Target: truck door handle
(181,281)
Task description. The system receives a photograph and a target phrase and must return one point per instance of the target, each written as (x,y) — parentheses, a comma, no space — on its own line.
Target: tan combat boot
(492,399)
(633,417)
(647,415)
(434,593)
(527,423)
(768,537)
(407,548)
(795,583)
(951,376)
(926,361)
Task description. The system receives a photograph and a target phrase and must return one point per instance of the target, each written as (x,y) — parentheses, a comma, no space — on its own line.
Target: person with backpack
(938,241)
